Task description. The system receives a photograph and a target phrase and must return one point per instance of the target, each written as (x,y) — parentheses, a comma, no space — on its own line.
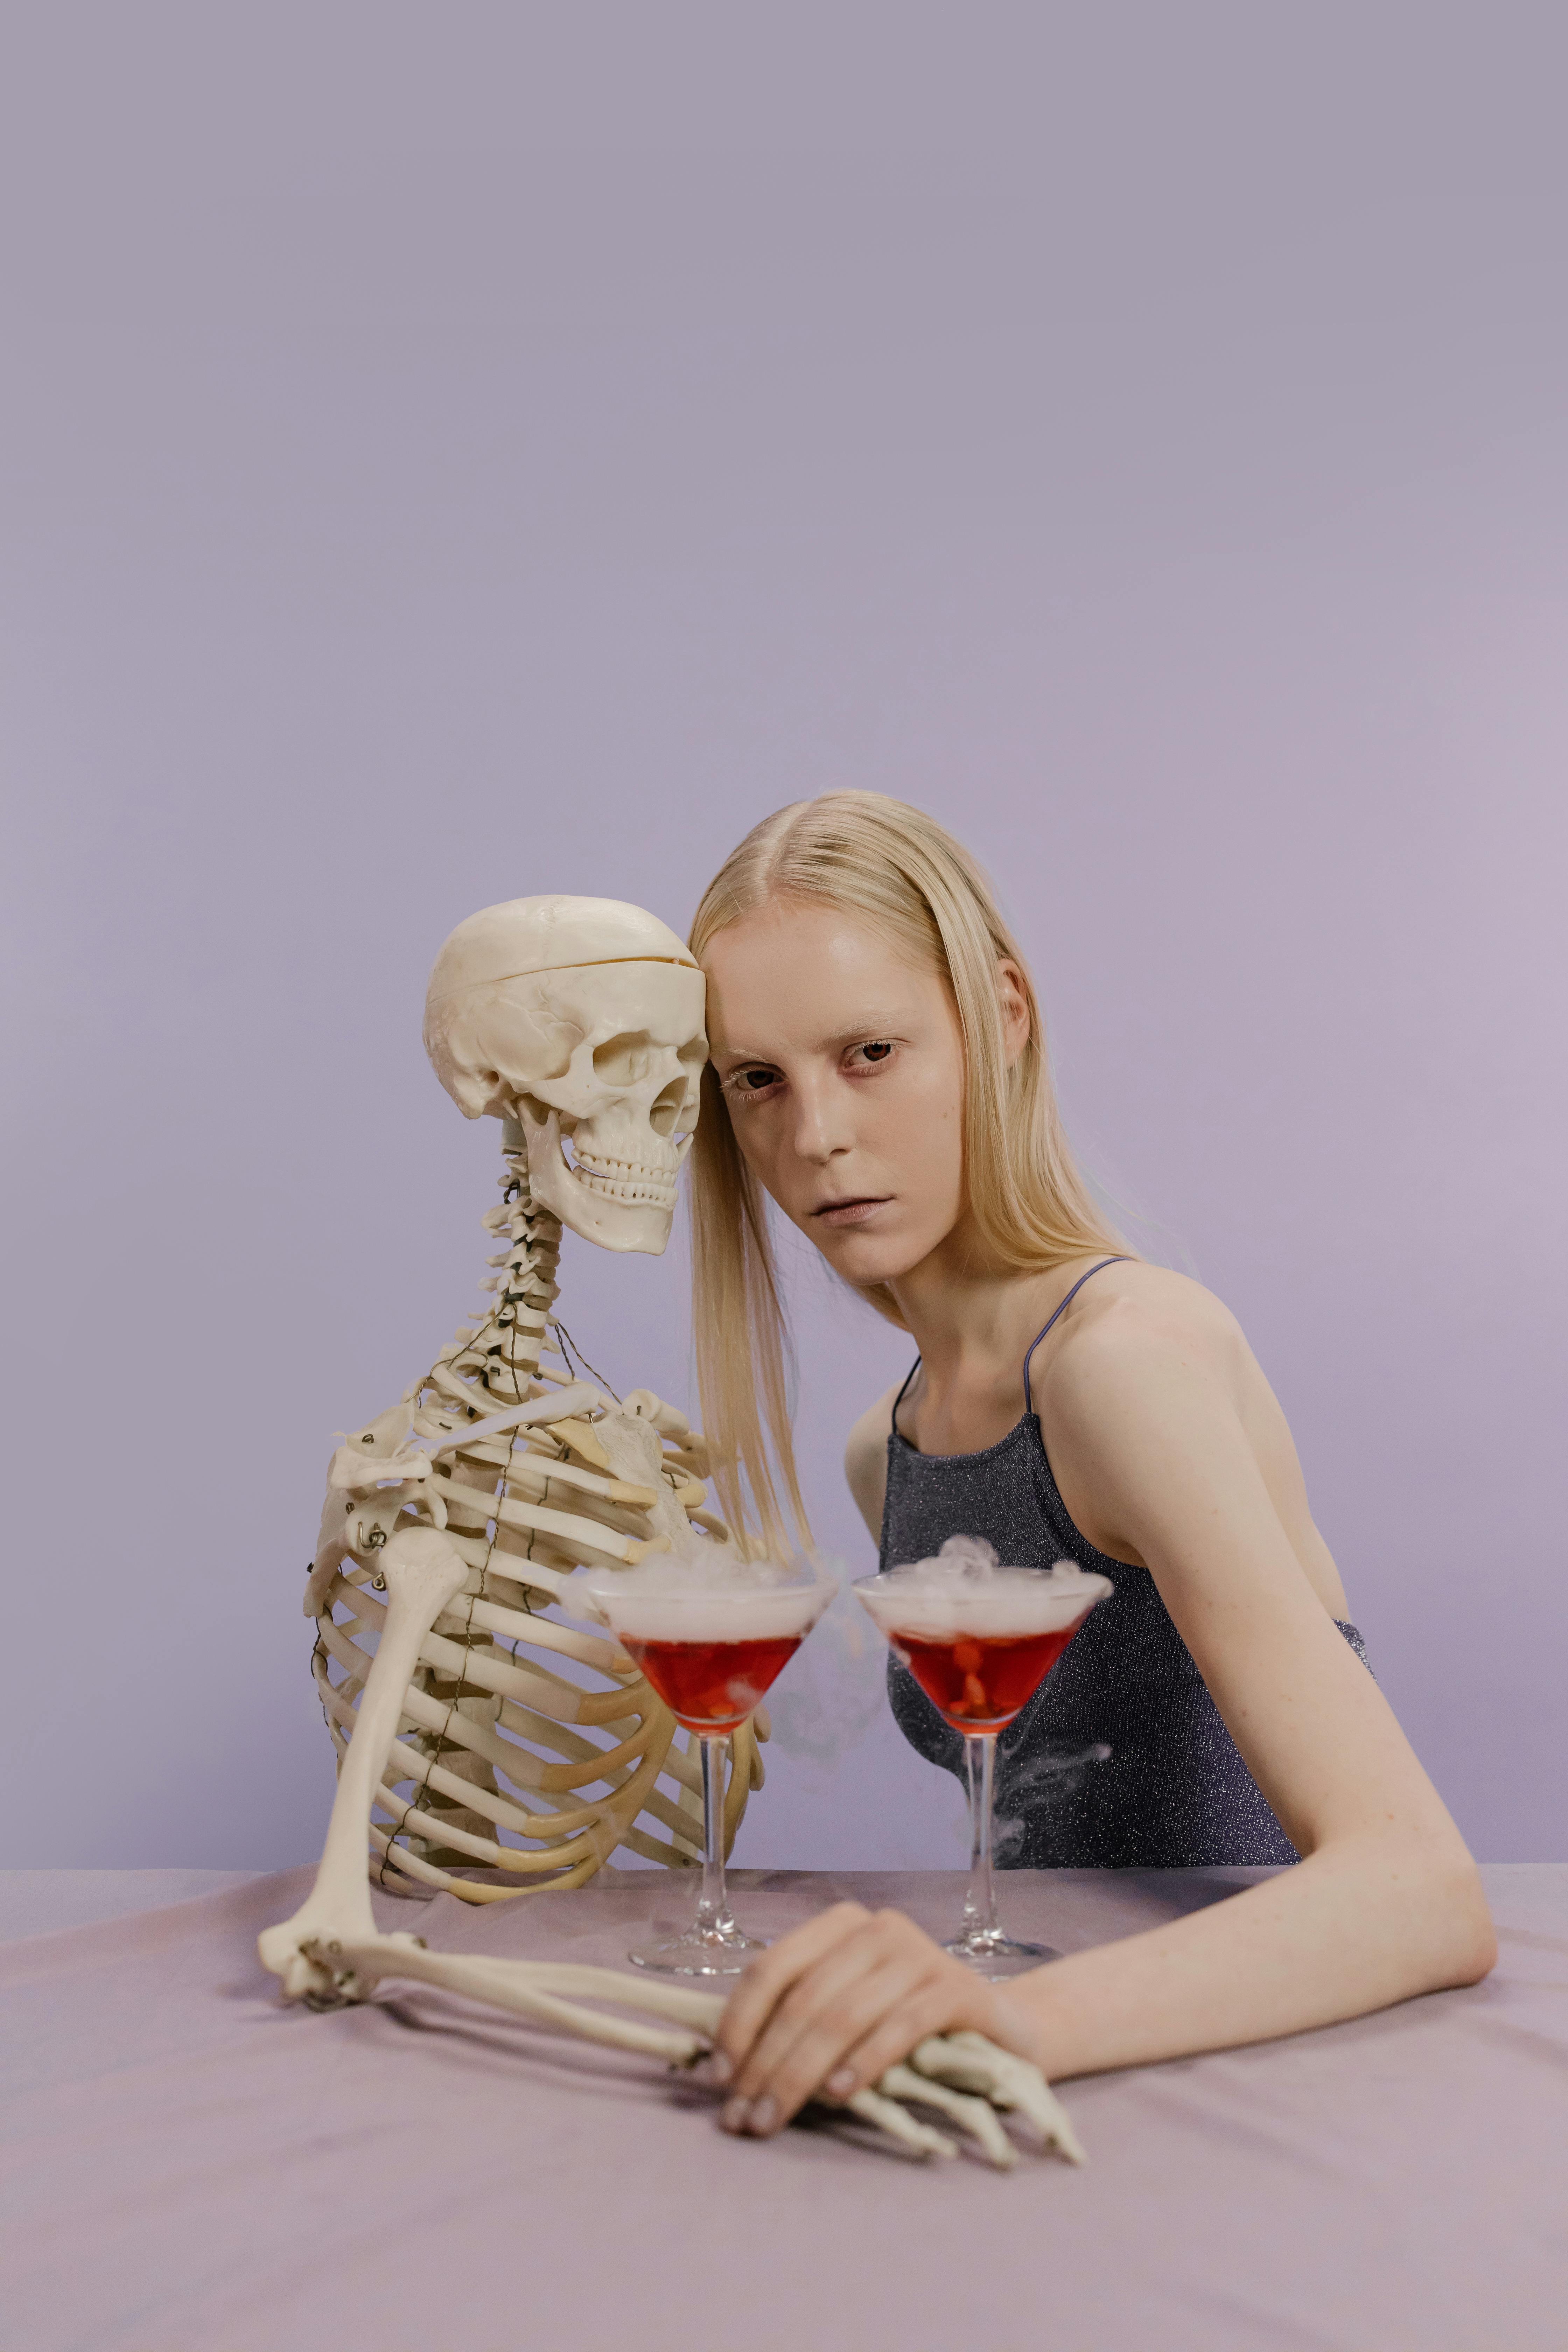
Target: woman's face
(842,1067)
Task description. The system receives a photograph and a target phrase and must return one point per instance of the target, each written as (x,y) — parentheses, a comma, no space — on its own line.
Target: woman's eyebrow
(734,1053)
(874,1026)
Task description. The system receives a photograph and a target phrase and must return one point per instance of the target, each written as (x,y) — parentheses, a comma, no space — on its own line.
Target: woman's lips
(847,1212)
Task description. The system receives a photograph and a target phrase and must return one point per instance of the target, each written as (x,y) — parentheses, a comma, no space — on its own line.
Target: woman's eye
(876,1051)
(751,1081)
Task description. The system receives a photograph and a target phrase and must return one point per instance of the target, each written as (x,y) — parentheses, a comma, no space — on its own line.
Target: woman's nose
(822,1122)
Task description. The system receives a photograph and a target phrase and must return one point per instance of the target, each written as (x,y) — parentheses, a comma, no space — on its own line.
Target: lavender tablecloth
(190,2168)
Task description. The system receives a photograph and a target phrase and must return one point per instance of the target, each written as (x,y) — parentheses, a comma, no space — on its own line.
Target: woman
(877,1071)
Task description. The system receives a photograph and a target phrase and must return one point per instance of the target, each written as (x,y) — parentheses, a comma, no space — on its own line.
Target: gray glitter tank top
(1121,1760)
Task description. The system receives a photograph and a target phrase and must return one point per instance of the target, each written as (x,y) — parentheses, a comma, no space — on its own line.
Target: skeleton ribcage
(529,1748)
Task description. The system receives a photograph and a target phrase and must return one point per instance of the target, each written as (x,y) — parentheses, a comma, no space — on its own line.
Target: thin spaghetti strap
(1028,1401)
(903,1393)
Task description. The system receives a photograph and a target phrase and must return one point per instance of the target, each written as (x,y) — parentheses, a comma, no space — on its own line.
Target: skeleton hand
(975,2072)
(855,2001)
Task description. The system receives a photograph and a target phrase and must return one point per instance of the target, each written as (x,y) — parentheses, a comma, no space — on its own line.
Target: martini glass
(711,1651)
(980,1645)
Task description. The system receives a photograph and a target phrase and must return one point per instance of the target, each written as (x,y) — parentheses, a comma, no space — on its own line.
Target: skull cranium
(582,1020)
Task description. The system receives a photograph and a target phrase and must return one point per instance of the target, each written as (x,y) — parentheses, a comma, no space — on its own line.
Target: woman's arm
(866,1461)
(1386,1902)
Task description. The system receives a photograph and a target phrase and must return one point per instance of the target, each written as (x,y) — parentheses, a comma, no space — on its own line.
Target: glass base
(991,1953)
(707,1948)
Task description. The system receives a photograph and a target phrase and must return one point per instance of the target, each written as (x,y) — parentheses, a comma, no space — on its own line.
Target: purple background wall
(456,453)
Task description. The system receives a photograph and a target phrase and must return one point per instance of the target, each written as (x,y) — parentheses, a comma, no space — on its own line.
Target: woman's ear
(1013,1002)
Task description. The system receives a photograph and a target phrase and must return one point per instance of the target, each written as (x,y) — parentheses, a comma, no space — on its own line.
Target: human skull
(582,1020)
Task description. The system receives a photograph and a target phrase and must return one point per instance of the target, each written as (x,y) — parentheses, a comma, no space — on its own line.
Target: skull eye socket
(621,1061)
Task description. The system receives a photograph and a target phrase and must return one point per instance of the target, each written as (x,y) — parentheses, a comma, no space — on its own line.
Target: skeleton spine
(499,1356)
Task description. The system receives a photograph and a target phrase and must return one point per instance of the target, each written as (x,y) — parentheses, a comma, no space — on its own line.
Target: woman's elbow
(1457,1922)
(1425,1894)
(1479,1955)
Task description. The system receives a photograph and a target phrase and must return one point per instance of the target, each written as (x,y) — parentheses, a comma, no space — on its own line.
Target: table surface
(191,2167)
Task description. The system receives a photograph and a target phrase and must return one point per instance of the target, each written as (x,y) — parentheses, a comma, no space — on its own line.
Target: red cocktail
(979,1680)
(980,1640)
(712,1640)
(713,1685)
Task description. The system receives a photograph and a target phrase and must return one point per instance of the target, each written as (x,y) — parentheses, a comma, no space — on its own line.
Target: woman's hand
(834,2004)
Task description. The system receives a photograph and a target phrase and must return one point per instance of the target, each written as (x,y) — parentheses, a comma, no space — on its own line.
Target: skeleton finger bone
(897,2124)
(968,2061)
(972,2115)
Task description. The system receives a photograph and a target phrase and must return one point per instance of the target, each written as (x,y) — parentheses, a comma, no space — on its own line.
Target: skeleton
(494,1739)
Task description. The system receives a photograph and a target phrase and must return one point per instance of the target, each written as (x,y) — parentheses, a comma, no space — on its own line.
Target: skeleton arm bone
(557,1995)
(423,1573)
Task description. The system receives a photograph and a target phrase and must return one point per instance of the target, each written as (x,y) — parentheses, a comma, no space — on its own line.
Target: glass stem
(713,1908)
(980,1903)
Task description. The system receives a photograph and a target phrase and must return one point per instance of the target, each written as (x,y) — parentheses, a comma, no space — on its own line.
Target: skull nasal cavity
(621,1061)
(667,1106)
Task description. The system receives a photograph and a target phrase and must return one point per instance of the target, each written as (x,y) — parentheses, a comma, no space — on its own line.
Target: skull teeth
(627,1180)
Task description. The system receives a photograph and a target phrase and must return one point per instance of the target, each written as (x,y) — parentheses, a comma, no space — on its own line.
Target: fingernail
(733,2113)
(841,2082)
(719,2068)
(764,2114)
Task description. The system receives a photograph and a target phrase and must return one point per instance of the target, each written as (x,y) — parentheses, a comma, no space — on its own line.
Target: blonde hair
(895,866)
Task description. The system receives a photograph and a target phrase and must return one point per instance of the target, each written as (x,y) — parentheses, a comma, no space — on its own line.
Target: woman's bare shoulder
(1136,1324)
(866,1460)
(1132,1306)
(1158,1352)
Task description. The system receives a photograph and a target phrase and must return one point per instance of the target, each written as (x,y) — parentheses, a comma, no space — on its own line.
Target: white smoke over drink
(705,1594)
(966,1590)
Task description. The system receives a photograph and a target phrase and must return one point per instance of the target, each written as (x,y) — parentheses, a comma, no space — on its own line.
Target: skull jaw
(598,1216)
